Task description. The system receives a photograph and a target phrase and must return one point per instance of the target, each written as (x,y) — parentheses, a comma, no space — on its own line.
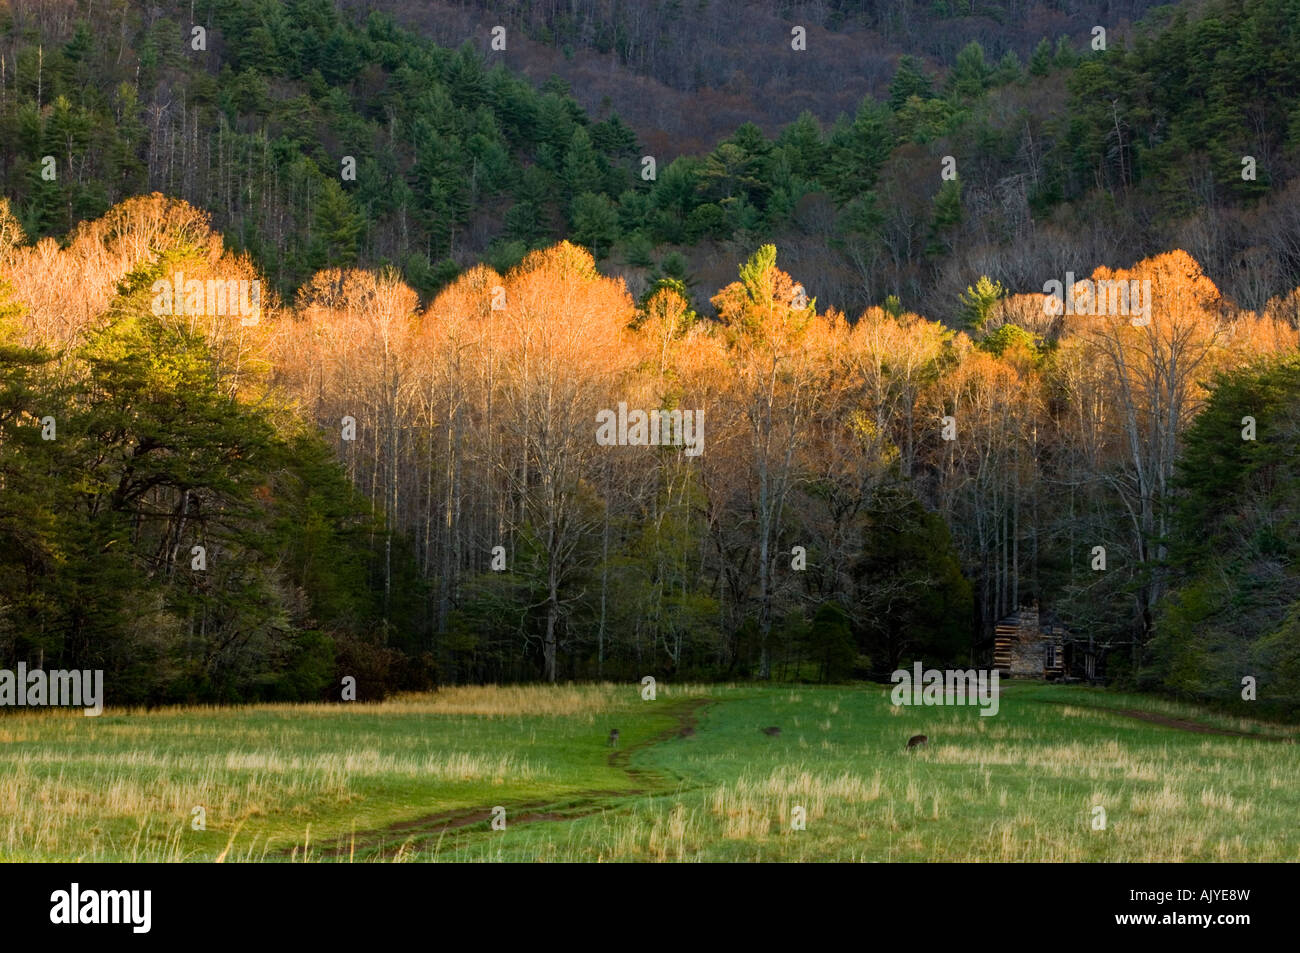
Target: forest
(393,473)
(1066,155)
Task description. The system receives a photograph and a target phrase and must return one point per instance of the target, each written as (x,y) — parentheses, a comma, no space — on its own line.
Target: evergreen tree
(1065,56)
(582,167)
(947,211)
(978,302)
(1007,71)
(595,223)
(338,227)
(970,74)
(1040,63)
(910,588)
(909,80)
(831,640)
(858,150)
(1236,521)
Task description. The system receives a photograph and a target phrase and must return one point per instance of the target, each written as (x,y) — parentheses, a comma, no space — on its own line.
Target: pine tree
(338,226)
(970,74)
(978,302)
(582,166)
(595,223)
(859,150)
(1040,63)
(1065,57)
(909,80)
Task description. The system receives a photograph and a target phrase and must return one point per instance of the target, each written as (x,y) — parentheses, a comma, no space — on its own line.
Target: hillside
(1066,157)
(686,74)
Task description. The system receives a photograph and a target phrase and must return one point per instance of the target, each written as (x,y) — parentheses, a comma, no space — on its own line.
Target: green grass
(370,782)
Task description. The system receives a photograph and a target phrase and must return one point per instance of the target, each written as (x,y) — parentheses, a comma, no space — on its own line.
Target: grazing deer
(687,731)
(613,737)
(773,732)
(917,740)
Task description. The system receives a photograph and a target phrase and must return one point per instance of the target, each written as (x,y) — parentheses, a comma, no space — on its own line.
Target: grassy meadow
(694,778)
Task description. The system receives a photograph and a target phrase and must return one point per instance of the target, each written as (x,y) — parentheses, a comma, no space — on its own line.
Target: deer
(772,732)
(916,741)
(613,738)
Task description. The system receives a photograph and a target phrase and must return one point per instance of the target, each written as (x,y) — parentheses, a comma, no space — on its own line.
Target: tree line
(408,492)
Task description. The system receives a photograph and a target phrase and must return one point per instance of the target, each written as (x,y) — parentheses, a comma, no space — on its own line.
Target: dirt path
(384,842)
(1195,727)
(687,718)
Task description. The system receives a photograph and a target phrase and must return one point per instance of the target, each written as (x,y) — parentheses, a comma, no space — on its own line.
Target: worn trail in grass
(402,838)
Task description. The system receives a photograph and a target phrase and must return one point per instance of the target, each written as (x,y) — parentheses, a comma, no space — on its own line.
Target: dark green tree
(910,80)
(337,227)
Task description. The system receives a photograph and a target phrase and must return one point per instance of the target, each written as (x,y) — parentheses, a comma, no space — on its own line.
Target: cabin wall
(1021,648)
